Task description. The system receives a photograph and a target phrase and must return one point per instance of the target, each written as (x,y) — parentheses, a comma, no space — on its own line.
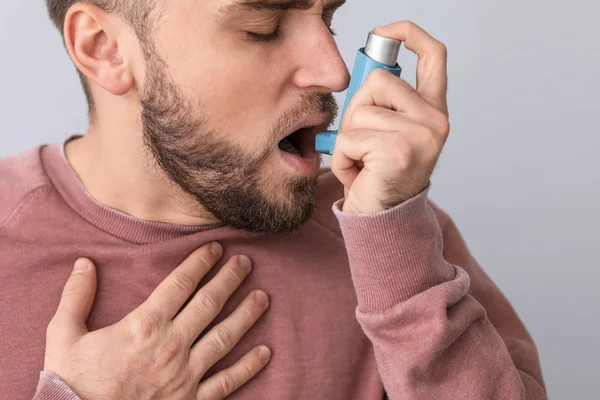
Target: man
(371,289)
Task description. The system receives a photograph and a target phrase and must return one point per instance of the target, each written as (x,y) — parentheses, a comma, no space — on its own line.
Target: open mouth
(301,143)
(293,143)
(297,150)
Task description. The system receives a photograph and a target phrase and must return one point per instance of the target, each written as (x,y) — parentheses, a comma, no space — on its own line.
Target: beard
(221,177)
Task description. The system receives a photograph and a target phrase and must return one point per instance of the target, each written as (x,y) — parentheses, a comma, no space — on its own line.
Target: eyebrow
(275,5)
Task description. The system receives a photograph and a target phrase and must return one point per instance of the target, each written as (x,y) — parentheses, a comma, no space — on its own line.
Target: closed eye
(276,34)
(270,5)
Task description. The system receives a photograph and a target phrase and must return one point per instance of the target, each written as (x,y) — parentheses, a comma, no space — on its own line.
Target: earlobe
(119,82)
(95,50)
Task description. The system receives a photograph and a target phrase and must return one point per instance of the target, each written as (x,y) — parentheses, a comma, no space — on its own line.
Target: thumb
(78,296)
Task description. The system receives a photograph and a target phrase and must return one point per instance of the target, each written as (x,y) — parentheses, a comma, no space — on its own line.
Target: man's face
(217,102)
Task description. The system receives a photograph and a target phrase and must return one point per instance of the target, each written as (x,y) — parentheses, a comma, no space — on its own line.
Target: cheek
(242,102)
(237,85)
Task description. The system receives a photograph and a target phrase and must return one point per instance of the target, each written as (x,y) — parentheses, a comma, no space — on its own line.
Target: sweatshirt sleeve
(51,387)
(439,326)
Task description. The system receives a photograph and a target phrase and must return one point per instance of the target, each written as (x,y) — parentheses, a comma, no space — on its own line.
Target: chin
(286,187)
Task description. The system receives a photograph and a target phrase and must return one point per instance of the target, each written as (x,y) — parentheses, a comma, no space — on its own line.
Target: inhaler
(379,52)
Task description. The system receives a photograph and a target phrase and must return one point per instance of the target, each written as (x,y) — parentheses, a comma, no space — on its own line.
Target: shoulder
(330,190)
(21,176)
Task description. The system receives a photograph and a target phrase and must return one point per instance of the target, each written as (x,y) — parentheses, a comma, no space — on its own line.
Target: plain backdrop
(518,175)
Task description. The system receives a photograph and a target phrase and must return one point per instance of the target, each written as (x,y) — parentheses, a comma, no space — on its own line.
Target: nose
(320,63)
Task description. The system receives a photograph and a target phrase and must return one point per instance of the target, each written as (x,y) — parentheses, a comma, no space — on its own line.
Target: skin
(144,163)
(234,98)
(210,162)
(151,353)
(392,135)
(378,171)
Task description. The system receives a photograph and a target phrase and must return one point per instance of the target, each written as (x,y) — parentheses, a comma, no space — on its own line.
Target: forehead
(233,6)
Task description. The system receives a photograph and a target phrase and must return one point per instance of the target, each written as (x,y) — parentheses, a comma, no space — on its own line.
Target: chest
(319,350)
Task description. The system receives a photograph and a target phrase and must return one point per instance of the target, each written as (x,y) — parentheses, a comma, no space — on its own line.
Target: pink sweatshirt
(360,304)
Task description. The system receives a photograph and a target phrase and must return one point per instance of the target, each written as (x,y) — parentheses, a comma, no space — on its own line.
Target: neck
(118,172)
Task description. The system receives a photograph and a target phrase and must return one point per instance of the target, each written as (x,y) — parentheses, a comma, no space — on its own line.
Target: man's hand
(151,354)
(392,135)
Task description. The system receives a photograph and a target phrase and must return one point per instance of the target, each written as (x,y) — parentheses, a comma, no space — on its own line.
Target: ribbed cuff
(394,254)
(51,387)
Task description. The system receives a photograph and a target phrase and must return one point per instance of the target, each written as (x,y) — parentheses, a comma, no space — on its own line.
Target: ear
(92,39)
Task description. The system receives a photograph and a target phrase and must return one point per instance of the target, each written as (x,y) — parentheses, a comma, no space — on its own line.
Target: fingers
(220,340)
(77,300)
(351,146)
(366,117)
(432,70)
(385,119)
(385,91)
(224,383)
(404,146)
(172,293)
(208,301)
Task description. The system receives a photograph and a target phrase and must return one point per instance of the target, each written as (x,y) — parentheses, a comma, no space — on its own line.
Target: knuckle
(247,372)
(212,351)
(251,311)
(208,302)
(226,386)
(235,274)
(71,291)
(196,314)
(440,120)
(145,327)
(169,351)
(411,27)
(184,282)
(223,338)
(200,257)
(442,49)
(444,126)
(182,379)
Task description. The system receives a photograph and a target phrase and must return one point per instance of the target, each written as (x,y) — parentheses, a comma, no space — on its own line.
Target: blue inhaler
(379,52)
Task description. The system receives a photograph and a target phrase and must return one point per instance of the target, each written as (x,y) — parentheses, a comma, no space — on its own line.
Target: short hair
(136,14)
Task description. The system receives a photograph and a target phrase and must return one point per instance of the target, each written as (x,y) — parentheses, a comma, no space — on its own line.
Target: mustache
(310,103)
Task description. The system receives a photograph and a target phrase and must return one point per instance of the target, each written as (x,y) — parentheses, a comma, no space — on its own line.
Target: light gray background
(519,173)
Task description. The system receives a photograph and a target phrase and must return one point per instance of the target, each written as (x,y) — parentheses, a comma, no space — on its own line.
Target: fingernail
(261,298)
(215,249)
(245,262)
(264,353)
(81,266)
